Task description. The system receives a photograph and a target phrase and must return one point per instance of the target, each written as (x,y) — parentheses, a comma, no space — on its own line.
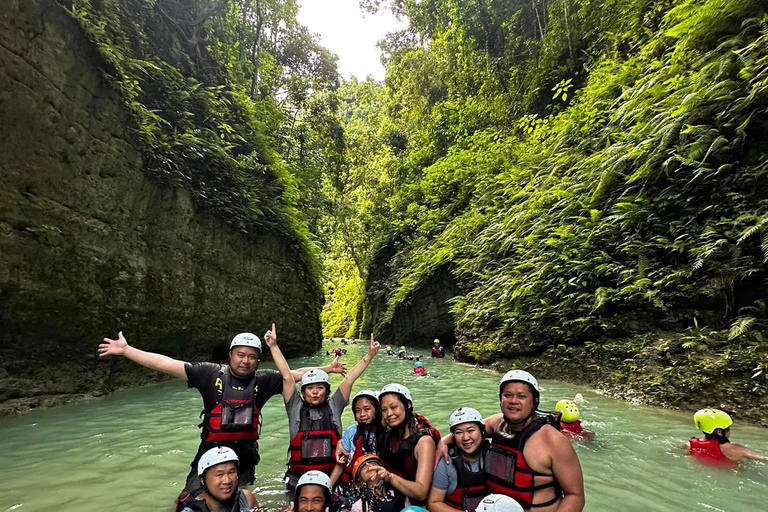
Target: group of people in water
(392,458)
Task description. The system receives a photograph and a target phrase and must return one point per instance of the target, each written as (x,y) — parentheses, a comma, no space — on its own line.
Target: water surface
(132,449)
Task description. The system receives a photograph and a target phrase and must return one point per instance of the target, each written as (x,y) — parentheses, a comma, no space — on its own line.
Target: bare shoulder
(252,502)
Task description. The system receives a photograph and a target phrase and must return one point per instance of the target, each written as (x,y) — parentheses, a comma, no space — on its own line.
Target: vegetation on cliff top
(587,169)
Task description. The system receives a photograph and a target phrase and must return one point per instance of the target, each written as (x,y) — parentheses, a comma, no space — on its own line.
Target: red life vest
(436,352)
(470,488)
(314,446)
(419,370)
(399,453)
(508,473)
(709,453)
(360,448)
(235,417)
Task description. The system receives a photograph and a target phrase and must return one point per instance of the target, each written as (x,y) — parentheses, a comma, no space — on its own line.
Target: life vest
(708,452)
(419,370)
(470,487)
(508,473)
(235,417)
(359,448)
(314,446)
(399,453)
(189,503)
(436,352)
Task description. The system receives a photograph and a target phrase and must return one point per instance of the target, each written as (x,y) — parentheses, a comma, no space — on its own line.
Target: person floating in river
(408,445)
(418,368)
(359,439)
(546,473)
(437,349)
(233,395)
(460,484)
(314,418)
(402,354)
(570,424)
(217,470)
(716,448)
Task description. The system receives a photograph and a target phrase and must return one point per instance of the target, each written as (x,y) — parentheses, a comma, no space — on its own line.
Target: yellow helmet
(569,409)
(707,420)
(437,341)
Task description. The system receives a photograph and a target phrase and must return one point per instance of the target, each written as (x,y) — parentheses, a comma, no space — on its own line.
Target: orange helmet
(363,460)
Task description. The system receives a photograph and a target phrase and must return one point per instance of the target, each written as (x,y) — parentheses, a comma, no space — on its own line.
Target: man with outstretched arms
(314,418)
(529,459)
(233,394)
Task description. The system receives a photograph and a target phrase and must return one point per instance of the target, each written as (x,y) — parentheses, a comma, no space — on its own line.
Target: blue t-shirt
(446,478)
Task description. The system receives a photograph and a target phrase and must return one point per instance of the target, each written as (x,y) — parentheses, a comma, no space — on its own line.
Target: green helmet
(569,409)
(707,420)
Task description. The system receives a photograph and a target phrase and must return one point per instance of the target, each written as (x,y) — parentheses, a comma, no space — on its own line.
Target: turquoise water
(131,450)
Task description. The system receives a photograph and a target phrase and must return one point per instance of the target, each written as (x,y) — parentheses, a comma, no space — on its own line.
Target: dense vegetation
(587,170)
(591,173)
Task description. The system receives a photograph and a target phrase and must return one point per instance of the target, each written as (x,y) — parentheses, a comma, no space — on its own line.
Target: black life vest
(399,453)
(360,447)
(470,488)
(508,473)
(235,416)
(314,446)
(187,501)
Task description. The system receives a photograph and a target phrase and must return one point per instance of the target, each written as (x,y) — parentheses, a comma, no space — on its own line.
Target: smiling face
(365,411)
(468,437)
(221,481)
(243,360)
(311,498)
(393,410)
(314,394)
(517,402)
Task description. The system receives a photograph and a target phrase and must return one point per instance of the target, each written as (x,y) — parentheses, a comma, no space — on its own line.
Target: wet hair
(718,434)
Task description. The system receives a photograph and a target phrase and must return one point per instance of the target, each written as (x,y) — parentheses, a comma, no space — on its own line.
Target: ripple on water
(135,446)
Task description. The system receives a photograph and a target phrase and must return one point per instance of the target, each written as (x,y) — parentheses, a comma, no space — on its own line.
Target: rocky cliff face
(89,245)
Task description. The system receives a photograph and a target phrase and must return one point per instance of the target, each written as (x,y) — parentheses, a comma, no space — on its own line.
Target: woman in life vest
(359,439)
(408,445)
(314,418)
(716,449)
(418,368)
(217,470)
(570,424)
(529,460)
(460,484)
(437,349)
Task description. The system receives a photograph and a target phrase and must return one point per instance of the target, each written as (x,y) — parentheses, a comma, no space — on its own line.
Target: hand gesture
(337,367)
(289,508)
(383,475)
(374,348)
(113,347)
(341,454)
(270,337)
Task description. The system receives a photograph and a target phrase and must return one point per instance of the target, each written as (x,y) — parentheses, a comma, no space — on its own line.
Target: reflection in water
(133,448)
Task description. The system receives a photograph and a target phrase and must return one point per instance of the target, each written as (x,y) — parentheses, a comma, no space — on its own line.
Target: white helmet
(314,477)
(215,456)
(366,393)
(246,339)
(498,503)
(465,415)
(396,388)
(314,376)
(519,376)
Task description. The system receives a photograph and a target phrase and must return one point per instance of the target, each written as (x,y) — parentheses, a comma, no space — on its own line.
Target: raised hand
(382,474)
(112,347)
(341,454)
(270,337)
(289,508)
(375,346)
(337,367)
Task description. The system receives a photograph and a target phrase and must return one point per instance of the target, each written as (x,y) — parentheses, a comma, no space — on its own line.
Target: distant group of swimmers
(392,458)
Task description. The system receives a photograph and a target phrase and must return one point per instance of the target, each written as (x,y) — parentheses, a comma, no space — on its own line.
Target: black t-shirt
(202,376)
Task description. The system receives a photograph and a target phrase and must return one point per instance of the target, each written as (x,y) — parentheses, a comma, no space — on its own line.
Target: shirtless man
(547,474)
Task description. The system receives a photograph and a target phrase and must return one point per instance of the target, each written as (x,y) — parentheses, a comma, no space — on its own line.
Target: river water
(131,450)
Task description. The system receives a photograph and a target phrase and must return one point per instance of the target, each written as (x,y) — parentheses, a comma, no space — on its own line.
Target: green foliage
(583,168)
